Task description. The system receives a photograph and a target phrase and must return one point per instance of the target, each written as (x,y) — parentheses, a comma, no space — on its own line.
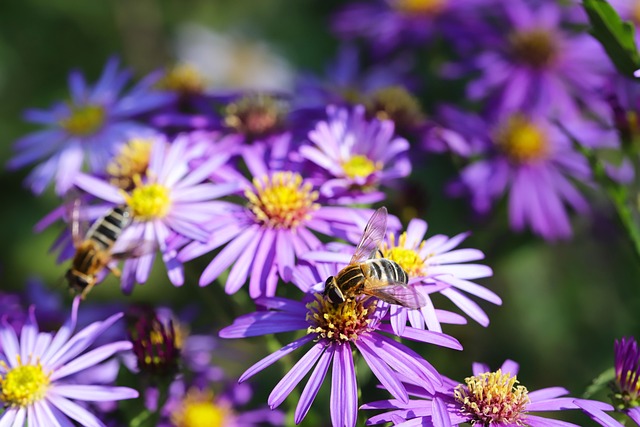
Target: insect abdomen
(106,231)
(386,270)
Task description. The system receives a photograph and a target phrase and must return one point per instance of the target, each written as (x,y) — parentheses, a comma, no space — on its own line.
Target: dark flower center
(255,116)
(535,48)
(397,104)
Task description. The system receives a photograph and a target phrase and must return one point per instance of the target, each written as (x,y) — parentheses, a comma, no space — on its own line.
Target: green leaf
(615,35)
(600,383)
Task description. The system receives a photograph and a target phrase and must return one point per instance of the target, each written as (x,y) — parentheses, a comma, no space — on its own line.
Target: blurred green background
(563,304)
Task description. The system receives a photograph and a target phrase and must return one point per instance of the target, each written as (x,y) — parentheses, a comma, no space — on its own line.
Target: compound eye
(327,283)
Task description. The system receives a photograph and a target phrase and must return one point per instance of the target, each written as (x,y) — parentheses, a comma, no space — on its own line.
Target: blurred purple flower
(85,129)
(335,330)
(534,162)
(170,206)
(273,227)
(534,64)
(357,156)
(35,370)
(486,398)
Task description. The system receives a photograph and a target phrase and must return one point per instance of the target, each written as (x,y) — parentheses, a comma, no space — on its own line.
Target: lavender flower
(36,367)
(625,387)
(486,398)
(335,330)
(265,235)
(533,162)
(170,206)
(358,156)
(87,128)
(433,266)
(531,63)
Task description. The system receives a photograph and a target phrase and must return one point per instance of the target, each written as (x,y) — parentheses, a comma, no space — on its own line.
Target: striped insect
(369,275)
(94,250)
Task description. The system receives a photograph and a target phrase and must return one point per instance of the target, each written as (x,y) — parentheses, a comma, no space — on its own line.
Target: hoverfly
(94,249)
(377,277)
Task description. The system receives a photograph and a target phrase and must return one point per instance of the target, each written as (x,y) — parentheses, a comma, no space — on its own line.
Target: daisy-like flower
(336,330)
(357,156)
(433,266)
(170,205)
(275,225)
(534,162)
(625,387)
(533,63)
(488,398)
(87,128)
(36,370)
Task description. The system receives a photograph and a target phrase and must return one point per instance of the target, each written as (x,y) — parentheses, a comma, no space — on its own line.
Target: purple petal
(240,270)
(556,404)
(313,385)
(94,393)
(440,415)
(380,369)
(91,358)
(536,421)
(9,415)
(99,188)
(75,411)
(274,357)
(545,393)
(344,392)
(437,338)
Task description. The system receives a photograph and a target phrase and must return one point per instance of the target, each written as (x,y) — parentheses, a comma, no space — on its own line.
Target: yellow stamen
(522,140)
(84,120)
(23,385)
(199,409)
(184,78)
(149,201)
(493,398)
(360,166)
(342,322)
(283,200)
(420,7)
(536,47)
(408,258)
(132,160)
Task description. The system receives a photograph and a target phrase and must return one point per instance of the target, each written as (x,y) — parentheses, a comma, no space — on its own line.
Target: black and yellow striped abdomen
(106,230)
(352,279)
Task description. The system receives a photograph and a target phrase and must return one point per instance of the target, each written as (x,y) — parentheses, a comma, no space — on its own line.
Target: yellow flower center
(282,201)
(23,385)
(132,160)
(183,78)
(149,201)
(522,140)
(493,398)
(198,409)
(84,120)
(255,115)
(420,7)
(397,104)
(360,166)
(339,322)
(536,47)
(407,258)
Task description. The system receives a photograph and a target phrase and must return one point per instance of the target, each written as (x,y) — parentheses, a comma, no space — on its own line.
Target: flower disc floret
(132,160)
(535,47)
(283,200)
(420,7)
(626,387)
(360,166)
(339,322)
(183,78)
(149,201)
(522,140)
(397,104)
(493,398)
(84,120)
(407,258)
(199,409)
(254,115)
(23,385)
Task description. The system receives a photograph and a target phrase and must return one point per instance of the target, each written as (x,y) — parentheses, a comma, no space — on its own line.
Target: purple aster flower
(433,266)
(625,386)
(487,398)
(357,156)
(170,206)
(531,63)
(264,236)
(85,129)
(336,330)
(534,162)
(36,370)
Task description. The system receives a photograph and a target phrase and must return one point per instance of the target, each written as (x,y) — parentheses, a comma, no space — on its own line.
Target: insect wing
(135,249)
(78,226)
(395,293)
(372,237)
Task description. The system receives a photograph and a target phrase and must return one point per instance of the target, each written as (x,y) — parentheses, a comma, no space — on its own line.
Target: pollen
(132,160)
(283,200)
(493,398)
(421,7)
(199,409)
(182,78)
(397,104)
(23,385)
(407,258)
(255,115)
(360,166)
(536,47)
(84,120)
(522,140)
(340,322)
(148,201)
